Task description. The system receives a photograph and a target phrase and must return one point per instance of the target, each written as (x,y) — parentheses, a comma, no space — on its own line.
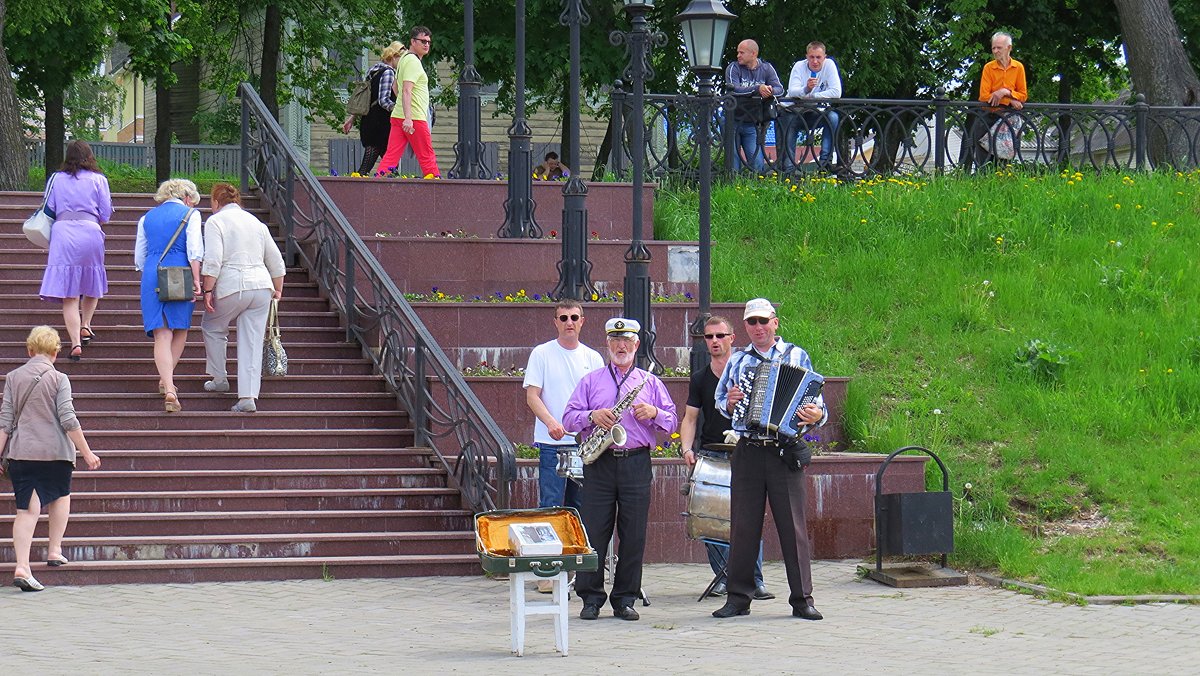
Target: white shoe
(216,386)
(244,406)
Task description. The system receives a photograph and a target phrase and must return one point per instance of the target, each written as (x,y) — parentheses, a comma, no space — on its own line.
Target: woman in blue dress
(168,322)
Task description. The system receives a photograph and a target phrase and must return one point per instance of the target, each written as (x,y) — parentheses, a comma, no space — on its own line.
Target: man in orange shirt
(1003,88)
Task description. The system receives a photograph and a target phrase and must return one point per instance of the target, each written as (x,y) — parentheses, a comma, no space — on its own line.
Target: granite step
(249,523)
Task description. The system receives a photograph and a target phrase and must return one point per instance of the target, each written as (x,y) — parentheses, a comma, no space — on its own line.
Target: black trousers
(979,125)
(616,492)
(758,475)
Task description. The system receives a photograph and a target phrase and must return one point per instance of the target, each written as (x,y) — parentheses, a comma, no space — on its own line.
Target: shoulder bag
(175,282)
(37,227)
(17,419)
(275,361)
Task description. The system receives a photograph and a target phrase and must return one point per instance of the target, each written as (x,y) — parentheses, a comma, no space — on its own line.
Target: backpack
(360,98)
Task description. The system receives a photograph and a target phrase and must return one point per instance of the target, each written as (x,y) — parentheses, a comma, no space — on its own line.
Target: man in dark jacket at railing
(814,78)
(754,84)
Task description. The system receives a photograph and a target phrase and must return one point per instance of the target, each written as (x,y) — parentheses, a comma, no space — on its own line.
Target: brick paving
(460,625)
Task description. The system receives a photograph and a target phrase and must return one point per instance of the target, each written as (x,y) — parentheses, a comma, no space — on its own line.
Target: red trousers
(422,145)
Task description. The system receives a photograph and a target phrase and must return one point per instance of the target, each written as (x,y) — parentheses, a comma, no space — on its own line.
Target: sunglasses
(564,318)
(423,41)
(718,336)
(759,320)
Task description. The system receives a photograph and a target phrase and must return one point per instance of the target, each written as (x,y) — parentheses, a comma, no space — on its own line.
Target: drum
(570,464)
(708,500)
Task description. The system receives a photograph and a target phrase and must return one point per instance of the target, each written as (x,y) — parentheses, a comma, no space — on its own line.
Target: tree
(1159,66)
(308,51)
(148,28)
(14,168)
(35,43)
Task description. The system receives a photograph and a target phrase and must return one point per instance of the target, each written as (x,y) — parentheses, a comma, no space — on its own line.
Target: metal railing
(186,158)
(885,137)
(446,415)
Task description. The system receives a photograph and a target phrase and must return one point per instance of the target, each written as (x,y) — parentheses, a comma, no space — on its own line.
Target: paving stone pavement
(460,625)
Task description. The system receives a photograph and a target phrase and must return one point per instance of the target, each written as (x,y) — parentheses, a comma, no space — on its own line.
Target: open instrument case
(498,555)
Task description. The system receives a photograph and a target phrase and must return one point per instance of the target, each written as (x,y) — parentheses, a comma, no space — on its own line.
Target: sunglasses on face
(758,320)
(423,41)
(718,336)
(564,318)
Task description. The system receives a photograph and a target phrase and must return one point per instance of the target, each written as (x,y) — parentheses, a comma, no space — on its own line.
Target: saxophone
(601,439)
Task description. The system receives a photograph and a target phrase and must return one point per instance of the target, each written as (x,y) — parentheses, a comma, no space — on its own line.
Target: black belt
(626,452)
(771,443)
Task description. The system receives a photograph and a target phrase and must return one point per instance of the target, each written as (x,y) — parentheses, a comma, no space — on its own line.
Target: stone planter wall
(415,207)
(469,267)
(840,507)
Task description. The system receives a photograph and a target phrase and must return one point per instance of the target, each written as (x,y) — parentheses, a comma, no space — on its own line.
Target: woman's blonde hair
(391,51)
(43,340)
(177,188)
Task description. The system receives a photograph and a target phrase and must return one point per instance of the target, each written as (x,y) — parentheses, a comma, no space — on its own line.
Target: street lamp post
(519,207)
(574,270)
(468,152)
(637,258)
(705,25)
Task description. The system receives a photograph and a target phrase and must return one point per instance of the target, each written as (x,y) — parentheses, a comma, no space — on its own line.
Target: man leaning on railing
(1002,87)
(816,77)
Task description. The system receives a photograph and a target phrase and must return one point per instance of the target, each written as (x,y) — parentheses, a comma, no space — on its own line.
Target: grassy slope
(924,292)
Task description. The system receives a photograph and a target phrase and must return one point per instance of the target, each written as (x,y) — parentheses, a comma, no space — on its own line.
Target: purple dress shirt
(598,389)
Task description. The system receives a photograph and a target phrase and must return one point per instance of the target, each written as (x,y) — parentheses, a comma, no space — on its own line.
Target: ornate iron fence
(885,137)
(445,413)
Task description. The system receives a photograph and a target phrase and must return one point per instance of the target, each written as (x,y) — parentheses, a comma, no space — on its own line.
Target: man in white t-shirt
(554,369)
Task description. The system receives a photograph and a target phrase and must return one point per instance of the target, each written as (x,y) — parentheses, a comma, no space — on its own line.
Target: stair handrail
(443,408)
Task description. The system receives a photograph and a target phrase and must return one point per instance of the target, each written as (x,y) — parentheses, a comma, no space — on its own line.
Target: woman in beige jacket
(38,424)
(242,272)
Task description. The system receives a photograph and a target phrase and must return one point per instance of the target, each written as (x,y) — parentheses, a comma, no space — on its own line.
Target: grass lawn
(1041,333)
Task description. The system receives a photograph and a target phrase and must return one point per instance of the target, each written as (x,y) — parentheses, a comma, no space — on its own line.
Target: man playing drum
(702,397)
(767,469)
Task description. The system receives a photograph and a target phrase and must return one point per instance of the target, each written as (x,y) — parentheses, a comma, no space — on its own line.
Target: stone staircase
(322,481)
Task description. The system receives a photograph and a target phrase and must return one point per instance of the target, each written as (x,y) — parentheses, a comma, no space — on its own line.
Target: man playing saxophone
(618,480)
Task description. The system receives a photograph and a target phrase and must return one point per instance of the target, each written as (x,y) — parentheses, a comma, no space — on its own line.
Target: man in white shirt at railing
(816,77)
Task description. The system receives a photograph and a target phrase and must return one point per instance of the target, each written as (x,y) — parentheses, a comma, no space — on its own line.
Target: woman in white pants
(242,271)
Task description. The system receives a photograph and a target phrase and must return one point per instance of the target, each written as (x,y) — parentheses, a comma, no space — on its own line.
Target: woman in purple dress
(75,273)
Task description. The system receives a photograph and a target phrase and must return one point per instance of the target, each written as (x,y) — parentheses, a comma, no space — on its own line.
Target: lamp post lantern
(637,259)
(574,269)
(705,25)
(519,207)
(468,152)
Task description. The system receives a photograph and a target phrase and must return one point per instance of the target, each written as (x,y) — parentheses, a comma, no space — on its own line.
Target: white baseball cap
(759,307)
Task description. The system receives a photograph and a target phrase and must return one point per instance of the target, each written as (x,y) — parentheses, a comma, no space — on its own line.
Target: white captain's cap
(619,327)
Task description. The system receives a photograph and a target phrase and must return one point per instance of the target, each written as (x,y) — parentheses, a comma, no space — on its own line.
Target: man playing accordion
(756,476)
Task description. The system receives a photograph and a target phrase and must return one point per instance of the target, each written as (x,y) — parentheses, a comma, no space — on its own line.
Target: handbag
(275,361)
(37,227)
(1003,135)
(175,282)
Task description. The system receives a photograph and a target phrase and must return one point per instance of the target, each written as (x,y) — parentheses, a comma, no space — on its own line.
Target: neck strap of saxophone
(612,373)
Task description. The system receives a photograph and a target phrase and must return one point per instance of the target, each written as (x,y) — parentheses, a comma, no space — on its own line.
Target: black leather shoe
(761,593)
(718,590)
(589,612)
(626,613)
(730,610)
(807,613)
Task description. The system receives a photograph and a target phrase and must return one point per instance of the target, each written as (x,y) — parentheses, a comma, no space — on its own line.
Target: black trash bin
(914,524)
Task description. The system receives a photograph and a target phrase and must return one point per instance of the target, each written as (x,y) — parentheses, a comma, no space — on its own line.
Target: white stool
(519,608)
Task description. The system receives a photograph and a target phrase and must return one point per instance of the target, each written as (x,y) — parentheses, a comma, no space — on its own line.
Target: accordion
(774,391)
